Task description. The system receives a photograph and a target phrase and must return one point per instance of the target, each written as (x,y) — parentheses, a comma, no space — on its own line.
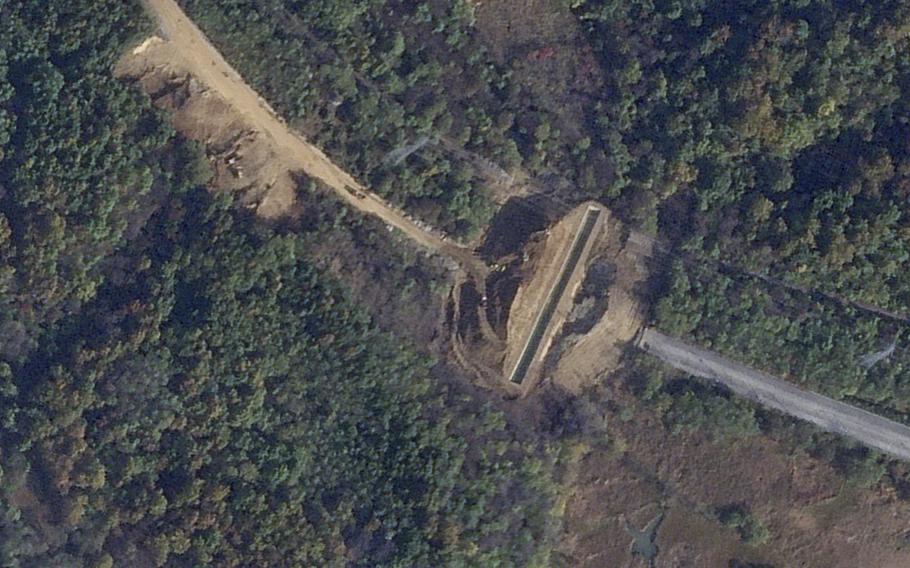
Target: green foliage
(770,134)
(750,529)
(685,404)
(693,409)
(364,77)
(814,342)
(71,186)
(183,387)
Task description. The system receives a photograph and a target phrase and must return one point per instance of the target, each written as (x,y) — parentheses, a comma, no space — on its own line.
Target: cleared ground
(188,48)
(527,341)
(573,258)
(587,356)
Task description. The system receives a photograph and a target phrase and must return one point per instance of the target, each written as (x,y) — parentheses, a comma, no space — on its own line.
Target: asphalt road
(870,429)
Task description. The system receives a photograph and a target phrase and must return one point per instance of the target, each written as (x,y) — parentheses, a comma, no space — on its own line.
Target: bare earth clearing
(186,48)
(257,155)
(281,151)
(531,296)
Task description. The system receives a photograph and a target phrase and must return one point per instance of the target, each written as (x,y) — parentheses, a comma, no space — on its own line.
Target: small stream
(643,540)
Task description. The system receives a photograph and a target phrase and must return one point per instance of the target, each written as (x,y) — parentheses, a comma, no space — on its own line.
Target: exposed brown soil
(588,357)
(243,159)
(489,335)
(532,293)
(246,160)
(255,154)
(184,50)
(814,519)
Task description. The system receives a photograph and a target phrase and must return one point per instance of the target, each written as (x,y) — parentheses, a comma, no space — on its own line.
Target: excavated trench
(545,315)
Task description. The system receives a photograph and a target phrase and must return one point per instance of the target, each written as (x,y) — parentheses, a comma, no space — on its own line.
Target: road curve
(831,415)
(208,66)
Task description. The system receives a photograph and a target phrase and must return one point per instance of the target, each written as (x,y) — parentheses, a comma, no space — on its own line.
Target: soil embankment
(185,48)
(256,154)
(543,302)
(548,309)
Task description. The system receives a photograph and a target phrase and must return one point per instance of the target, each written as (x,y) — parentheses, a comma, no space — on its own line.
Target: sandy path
(209,67)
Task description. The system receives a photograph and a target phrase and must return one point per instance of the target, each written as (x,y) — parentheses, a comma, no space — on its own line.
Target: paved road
(209,67)
(827,413)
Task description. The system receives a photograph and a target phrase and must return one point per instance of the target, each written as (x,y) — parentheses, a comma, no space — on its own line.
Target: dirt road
(829,414)
(210,68)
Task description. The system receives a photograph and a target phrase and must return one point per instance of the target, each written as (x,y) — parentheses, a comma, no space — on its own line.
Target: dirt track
(829,414)
(207,65)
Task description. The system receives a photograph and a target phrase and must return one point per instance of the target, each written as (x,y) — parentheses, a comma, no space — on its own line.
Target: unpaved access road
(204,62)
(827,413)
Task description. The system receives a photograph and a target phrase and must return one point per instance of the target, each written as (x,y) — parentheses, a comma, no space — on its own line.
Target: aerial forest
(768,145)
(182,386)
(771,139)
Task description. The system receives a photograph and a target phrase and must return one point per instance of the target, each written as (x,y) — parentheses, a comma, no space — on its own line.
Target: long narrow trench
(532,345)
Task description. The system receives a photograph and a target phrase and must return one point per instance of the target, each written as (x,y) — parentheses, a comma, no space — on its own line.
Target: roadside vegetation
(364,78)
(771,134)
(810,340)
(181,386)
(771,138)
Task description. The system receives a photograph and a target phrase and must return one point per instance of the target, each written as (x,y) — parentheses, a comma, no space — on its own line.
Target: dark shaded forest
(365,79)
(180,386)
(770,134)
(767,142)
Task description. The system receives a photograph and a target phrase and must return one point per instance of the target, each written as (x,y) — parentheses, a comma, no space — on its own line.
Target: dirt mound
(242,159)
(534,294)
(597,318)
(588,352)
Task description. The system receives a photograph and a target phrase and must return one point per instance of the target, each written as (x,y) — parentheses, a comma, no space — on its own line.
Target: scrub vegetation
(767,141)
(182,386)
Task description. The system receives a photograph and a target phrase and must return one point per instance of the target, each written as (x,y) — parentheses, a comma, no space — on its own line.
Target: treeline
(686,405)
(366,79)
(363,78)
(71,186)
(219,402)
(771,137)
(182,387)
(811,341)
(773,134)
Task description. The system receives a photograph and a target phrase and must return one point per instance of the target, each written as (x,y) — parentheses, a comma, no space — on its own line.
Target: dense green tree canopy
(180,386)
(774,134)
